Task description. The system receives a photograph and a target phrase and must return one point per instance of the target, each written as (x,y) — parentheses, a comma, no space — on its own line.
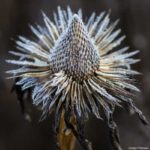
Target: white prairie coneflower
(72,66)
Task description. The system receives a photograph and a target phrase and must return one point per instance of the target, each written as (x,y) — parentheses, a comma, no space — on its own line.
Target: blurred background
(15,16)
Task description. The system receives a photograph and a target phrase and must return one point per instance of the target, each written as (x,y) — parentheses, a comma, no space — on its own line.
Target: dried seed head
(74,52)
(74,65)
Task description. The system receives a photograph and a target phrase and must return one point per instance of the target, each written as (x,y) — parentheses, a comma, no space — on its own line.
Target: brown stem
(65,136)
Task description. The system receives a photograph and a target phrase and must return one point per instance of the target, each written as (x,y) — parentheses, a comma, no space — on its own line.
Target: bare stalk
(65,136)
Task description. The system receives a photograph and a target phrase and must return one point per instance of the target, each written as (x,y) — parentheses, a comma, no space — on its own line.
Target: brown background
(15,15)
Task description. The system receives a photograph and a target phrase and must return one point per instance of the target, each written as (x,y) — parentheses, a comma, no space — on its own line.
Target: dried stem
(65,136)
(77,127)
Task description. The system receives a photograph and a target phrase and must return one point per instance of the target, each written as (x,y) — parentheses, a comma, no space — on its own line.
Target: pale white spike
(43,31)
(108,63)
(49,27)
(14,76)
(19,54)
(56,21)
(113,54)
(114,35)
(65,19)
(99,35)
(132,61)
(107,40)
(43,39)
(51,24)
(28,42)
(112,45)
(127,55)
(122,50)
(97,21)
(25,40)
(37,74)
(104,23)
(90,20)
(118,41)
(61,18)
(70,14)
(118,57)
(20,70)
(80,13)
(106,43)
(32,49)
(25,63)
(35,31)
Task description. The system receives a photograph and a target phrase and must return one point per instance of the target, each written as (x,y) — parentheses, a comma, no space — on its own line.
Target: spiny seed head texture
(73,64)
(74,52)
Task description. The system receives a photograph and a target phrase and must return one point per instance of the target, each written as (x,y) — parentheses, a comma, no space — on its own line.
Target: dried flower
(73,67)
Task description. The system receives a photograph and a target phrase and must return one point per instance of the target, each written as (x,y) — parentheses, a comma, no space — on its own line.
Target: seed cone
(74,52)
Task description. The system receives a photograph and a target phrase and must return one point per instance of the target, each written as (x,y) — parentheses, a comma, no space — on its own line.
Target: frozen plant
(74,68)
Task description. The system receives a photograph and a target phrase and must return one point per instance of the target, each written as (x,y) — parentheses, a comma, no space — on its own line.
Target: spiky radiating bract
(73,64)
